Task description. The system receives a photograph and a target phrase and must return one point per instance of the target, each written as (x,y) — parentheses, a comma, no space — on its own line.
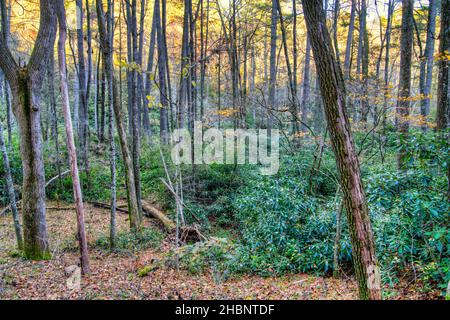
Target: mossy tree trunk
(25,84)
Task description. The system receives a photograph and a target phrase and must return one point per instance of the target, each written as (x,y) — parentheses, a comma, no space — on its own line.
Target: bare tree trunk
(443,103)
(348,47)
(133,208)
(112,145)
(273,66)
(5,23)
(387,60)
(148,76)
(426,76)
(77,195)
(364,42)
(333,94)
(83,100)
(11,193)
(306,82)
(403,104)
(25,84)
(294,101)
(163,115)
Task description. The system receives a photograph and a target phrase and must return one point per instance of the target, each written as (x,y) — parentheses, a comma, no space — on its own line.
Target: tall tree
(404,91)
(273,64)
(25,83)
(107,52)
(5,23)
(163,115)
(77,195)
(443,98)
(333,94)
(427,61)
(348,47)
(83,108)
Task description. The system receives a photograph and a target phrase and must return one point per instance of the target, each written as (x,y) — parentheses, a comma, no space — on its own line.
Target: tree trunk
(273,65)
(404,91)
(427,61)
(77,195)
(443,99)
(25,84)
(333,94)
(163,114)
(83,102)
(133,209)
(348,47)
(11,193)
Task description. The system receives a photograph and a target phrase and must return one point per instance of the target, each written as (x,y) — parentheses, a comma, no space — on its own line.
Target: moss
(143,272)
(35,254)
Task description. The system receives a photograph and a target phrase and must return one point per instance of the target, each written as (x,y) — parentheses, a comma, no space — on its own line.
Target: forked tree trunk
(25,82)
(333,94)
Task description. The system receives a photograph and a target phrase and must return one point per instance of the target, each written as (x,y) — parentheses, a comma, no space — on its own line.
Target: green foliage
(132,241)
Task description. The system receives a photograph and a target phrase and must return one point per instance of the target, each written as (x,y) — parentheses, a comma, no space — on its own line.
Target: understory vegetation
(286,223)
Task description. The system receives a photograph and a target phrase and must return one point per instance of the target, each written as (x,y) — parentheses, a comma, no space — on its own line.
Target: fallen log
(106,206)
(158,214)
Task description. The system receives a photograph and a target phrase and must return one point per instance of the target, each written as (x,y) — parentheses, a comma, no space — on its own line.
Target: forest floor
(116,275)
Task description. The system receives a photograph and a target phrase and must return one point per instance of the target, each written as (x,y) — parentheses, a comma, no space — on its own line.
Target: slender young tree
(273,64)
(83,108)
(348,47)
(404,91)
(11,192)
(333,94)
(77,195)
(443,97)
(5,22)
(426,63)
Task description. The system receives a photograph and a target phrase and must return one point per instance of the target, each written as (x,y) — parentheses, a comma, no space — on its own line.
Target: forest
(225,149)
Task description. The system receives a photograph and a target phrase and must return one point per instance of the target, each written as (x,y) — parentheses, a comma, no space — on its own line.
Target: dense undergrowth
(272,225)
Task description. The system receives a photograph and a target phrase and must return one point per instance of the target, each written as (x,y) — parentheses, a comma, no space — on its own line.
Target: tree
(404,90)
(107,52)
(77,195)
(273,64)
(443,99)
(333,94)
(11,193)
(25,83)
(83,108)
(426,63)
(163,118)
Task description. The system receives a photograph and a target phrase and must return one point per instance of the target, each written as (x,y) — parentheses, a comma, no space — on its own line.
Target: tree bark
(133,209)
(333,94)
(273,65)
(77,195)
(25,84)
(11,193)
(426,63)
(443,99)
(404,91)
